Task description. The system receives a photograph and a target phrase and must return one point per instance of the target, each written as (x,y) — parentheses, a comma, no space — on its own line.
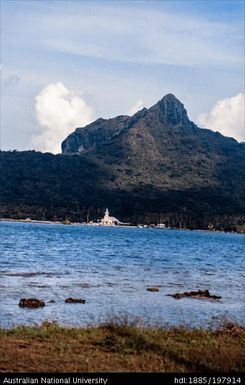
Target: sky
(67,63)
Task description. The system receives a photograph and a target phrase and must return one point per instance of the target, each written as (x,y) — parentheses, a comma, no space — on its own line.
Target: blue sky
(65,63)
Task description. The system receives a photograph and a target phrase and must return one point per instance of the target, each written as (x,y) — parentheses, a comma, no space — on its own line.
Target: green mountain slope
(156,166)
(162,147)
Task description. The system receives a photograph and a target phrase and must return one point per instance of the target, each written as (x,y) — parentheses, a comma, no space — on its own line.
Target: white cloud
(154,37)
(227,117)
(138,105)
(104,48)
(59,111)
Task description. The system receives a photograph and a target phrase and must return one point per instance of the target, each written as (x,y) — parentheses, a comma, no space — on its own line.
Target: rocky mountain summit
(169,111)
(156,166)
(158,146)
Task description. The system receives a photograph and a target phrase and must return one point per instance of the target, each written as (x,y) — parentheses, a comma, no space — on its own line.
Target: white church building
(107,220)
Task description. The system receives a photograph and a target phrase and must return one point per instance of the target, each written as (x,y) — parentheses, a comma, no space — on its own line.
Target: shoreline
(37,221)
(94,224)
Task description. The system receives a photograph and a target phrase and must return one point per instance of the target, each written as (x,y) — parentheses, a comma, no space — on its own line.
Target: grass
(121,346)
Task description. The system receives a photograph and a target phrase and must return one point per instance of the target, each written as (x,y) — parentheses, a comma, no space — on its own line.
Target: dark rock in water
(199,294)
(31,302)
(152,289)
(51,301)
(85,285)
(74,300)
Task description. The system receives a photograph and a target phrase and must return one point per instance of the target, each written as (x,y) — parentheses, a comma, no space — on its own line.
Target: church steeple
(109,221)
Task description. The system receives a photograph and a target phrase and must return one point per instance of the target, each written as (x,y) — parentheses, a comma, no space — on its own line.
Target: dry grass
(120,346)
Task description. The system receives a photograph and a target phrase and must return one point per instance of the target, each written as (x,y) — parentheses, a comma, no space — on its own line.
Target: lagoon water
(112,267)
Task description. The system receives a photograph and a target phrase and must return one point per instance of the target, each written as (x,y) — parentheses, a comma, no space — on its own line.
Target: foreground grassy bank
(121,347)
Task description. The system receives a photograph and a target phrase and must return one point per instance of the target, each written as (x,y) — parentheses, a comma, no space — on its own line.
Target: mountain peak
(170,98)
(171,110)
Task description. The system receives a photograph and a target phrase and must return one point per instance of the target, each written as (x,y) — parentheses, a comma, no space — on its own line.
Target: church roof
(113,219)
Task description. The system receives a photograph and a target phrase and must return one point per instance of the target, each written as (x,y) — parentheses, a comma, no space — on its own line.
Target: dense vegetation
(119,347)
(155,167)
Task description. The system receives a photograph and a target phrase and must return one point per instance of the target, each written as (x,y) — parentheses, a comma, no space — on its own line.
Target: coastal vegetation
(72,189)
(156,167)
(122,345)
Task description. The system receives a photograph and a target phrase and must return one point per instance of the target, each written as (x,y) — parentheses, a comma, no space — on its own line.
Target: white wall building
(108,220)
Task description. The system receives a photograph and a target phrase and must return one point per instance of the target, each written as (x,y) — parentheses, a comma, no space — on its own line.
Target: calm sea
(112,267)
